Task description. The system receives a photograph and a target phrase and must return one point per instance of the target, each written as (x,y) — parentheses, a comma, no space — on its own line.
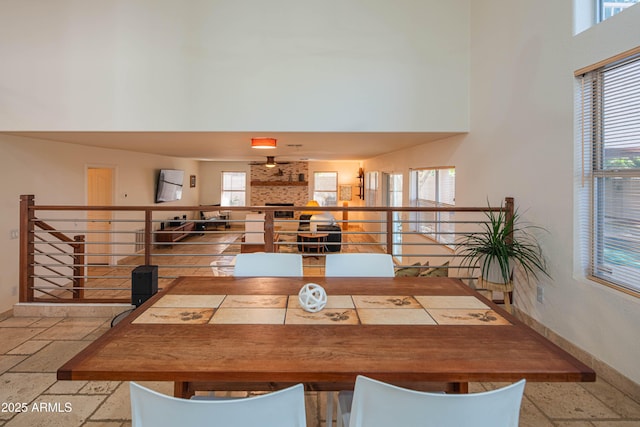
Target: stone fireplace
(285,214)
(280,185)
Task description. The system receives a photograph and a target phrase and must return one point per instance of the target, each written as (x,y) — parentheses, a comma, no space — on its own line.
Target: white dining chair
(377,404)
(355,265)
(359,265)
(268,264)
(253,238)
(283,408)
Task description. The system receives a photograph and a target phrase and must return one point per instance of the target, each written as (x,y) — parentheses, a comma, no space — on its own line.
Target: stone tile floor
(32,348)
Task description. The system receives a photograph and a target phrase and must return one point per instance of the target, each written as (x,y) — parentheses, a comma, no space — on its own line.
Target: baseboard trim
(7,314)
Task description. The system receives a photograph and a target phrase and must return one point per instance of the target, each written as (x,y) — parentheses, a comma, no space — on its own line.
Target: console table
(175,233)
(313,242)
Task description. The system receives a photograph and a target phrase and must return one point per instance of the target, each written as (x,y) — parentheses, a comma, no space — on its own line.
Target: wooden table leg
(329,419)
(460,388)
(181,389)
(507,302)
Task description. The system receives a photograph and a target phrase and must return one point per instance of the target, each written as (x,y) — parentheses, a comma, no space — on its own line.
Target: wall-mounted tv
(169,186)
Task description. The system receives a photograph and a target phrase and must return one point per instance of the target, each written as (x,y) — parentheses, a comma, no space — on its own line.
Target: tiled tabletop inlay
(333,301)
(385,301)
(385,316)
(467,317)
(340,310)
(297,316)
(163,315)
(249,316)
(451,302)
(209,301)
(254,301)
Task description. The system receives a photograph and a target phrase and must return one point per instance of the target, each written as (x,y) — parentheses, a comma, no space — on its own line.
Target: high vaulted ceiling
(236,146)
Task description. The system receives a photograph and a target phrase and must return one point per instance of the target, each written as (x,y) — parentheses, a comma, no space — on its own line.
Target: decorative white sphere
(312,297)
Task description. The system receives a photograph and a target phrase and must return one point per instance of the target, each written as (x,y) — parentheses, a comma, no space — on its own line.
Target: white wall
(55,173)
(521,144)
(227,65)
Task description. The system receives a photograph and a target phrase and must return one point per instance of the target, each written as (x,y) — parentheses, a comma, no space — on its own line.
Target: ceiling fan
(270,163)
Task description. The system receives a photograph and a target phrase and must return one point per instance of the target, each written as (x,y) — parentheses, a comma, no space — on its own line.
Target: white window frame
(320,194)
(609,204)
(608,8)
(228,190)
(438,226)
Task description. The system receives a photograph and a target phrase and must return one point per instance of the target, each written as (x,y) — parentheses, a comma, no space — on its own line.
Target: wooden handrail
(509,212)
(266,208)
(268,231)
(26,248)
(30,223)
(148,229)
(389,232)
(53,232)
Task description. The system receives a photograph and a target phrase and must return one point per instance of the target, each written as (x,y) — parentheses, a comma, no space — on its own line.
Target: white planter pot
(493,273)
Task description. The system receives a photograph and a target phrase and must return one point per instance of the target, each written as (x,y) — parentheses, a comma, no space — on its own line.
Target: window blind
(609,126)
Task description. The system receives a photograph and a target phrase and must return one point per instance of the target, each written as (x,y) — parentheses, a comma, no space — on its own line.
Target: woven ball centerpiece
(312,297)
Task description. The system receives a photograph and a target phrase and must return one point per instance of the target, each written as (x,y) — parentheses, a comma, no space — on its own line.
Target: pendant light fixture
(271,162)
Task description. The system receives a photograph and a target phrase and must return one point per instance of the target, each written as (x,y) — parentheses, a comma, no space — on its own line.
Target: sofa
(212,218)
(325,224)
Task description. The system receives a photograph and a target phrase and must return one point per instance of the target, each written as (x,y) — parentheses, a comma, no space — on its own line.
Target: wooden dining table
(231,333)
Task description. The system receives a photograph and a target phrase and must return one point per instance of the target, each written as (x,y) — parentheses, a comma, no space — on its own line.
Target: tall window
(609,117)
(325,188)
(234,189)
(394,189)
(608,8)
(433,188)
(371,188)
(394,198)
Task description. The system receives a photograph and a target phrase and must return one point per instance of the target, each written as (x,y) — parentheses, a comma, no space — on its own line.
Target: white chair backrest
(254,228)
(268,264)
(377,404)
(284,408)
(359,265)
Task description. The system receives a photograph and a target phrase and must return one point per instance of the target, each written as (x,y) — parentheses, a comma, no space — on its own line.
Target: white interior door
(99,193)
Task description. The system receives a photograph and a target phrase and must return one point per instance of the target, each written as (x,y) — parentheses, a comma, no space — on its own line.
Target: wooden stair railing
(28,255)
(45,250)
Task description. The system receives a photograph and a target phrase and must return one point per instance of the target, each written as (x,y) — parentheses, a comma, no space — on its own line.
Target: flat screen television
(169,186)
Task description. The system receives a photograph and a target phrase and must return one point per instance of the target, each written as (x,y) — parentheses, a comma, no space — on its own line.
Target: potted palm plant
(502,244)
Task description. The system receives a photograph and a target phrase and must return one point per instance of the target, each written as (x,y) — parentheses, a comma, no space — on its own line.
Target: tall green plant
(502,239)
